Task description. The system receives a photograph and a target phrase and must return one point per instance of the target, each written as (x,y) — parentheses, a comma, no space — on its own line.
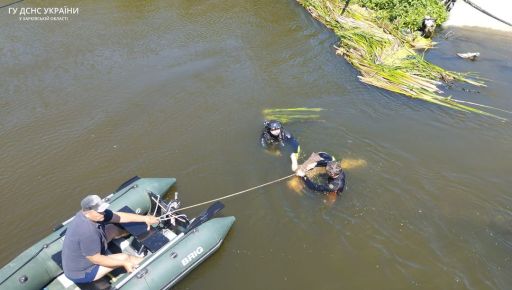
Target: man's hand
(151,220)
(300,173)
(130,267)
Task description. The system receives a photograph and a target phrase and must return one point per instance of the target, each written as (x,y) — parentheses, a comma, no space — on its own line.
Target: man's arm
(124,217)
(288,138)
(315,186)
(109,262)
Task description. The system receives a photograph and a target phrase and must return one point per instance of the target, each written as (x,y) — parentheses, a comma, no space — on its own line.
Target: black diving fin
(205,216)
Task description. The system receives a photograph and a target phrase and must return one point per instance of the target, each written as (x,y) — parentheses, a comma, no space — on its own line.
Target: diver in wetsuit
(275,135)
(336,175)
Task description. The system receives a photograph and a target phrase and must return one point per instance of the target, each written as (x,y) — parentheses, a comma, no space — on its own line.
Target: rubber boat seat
(100,284)
(153,239)
(62,282)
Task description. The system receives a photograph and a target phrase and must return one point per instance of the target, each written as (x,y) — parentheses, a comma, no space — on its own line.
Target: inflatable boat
(170,250)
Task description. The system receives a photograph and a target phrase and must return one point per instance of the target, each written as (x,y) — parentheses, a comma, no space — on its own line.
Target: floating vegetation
(350,163)
(385,56)
(288,115)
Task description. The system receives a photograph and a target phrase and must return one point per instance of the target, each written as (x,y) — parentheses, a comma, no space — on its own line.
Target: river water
(177,88)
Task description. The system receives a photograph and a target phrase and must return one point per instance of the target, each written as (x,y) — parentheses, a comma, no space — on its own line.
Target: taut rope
(227,196)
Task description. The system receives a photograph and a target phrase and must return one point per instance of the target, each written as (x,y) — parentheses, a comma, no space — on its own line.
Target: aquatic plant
(287,115)
(385,55)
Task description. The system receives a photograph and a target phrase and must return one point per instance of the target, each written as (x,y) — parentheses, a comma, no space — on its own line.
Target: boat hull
(175,262)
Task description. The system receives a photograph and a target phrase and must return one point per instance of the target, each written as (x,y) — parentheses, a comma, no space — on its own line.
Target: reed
(287,115)
(386,57)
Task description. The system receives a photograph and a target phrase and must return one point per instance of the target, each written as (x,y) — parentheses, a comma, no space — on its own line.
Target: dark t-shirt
(83,238)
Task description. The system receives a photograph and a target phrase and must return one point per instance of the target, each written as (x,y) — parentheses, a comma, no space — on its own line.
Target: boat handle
(142,273)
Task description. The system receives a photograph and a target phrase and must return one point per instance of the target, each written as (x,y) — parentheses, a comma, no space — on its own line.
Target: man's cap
(94,202)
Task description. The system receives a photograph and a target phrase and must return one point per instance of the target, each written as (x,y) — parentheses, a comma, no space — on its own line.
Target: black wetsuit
(336,184)
(283,139)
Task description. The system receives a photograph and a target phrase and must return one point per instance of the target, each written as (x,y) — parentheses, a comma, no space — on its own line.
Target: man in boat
(84,256)
(274,135)
(336,176)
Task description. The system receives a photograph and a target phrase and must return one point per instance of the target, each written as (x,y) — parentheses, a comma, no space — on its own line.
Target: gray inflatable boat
(171,250)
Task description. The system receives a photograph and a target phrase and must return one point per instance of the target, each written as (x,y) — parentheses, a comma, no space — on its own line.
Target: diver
(336,175)
(428,25)
(275,135)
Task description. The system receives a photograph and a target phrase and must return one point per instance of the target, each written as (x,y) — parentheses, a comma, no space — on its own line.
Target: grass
(386,57)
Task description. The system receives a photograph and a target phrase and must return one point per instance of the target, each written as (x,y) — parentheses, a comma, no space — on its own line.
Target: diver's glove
(293,157)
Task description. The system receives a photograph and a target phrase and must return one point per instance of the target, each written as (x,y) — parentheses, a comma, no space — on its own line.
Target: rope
(231,195)
(485,12)
(162,217)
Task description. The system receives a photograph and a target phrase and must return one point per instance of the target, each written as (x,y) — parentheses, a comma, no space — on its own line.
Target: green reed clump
(287,115)
(385,57)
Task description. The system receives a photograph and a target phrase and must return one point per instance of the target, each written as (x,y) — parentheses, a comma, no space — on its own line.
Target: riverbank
(387,57)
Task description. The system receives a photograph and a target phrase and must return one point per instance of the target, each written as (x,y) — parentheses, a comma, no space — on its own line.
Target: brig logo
(192,256)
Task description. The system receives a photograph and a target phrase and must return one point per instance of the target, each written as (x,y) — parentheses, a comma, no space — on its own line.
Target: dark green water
(176,88)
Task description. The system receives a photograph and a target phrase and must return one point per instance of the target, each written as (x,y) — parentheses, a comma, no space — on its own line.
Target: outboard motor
(174,204)
(168,212)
